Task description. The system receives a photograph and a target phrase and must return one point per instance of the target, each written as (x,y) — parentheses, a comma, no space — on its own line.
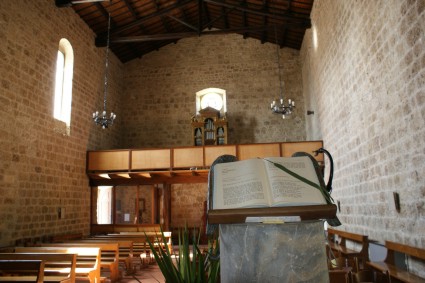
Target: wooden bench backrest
(86,256)
(140,244)
(343,235)
(136,238)
(23,267)
(144,228)
(125,246)
(51,260)
(109,250)
(404,249)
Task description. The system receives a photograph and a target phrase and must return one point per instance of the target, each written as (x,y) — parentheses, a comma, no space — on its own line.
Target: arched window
(211,97)
(63,86)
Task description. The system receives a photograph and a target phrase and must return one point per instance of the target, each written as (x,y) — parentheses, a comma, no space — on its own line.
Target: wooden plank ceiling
(142,26)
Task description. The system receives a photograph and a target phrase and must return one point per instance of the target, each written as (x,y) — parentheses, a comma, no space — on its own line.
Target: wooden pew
(139,245)
(87,263)
(389,265)
(125,249)
(337,242)
(22,271)
(58,267)
(153,236)
(139,239)
(109,255)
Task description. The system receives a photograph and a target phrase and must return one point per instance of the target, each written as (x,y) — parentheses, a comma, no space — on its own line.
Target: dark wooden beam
(183,23)
(144,19)
(211,22)
(286,15)
(167,206)
(69,3)
(200,17)
(265,21)
(175,36)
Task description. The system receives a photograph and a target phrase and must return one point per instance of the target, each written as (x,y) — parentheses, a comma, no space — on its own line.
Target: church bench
(141,249)
(87,262)
(21,270)
(109,254)
(389,264)
(337,242)
(58,267)
(139,246)
(140,243)
(125,249)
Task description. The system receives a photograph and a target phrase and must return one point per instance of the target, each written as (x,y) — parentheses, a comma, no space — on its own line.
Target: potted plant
(189,264)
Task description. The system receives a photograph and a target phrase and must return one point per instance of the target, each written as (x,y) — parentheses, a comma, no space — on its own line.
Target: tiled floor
(146,273)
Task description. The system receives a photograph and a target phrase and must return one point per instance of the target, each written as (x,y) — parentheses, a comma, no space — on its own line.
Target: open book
(259,183)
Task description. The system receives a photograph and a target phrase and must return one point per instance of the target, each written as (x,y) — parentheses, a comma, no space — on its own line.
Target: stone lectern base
(289,252)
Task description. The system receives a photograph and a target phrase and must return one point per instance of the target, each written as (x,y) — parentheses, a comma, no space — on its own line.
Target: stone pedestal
(289,252)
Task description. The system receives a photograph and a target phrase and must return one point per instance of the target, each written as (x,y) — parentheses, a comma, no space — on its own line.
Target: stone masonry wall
(364,69)
(187,205)
(41,168)
(160,91)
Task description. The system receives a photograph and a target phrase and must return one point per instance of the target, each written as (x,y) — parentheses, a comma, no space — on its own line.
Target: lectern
(273,252)
(277,244)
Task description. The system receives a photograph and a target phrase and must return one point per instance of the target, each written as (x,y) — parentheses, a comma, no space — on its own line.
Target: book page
(287,190)
(240,184)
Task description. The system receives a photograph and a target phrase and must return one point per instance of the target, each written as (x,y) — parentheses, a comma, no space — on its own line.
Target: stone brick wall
(187,205)
(41,169)
(160,91)
(364,76)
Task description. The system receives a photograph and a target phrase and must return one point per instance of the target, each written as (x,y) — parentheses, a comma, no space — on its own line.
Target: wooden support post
(167,207)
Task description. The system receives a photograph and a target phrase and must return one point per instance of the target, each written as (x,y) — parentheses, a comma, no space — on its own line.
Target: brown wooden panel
(248,151)
(188,157)
(108,160)
(290,148)
(212,152)
(239,215)
(150,159)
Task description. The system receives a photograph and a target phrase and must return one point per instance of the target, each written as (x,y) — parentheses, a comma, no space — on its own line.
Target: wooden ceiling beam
(286,15)
(183,23)
(179,35)
(157,14)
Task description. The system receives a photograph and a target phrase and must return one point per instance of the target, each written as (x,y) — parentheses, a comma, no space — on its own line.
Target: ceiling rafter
(285,15)
(154,15)
(180,35)
(142,26)
(264,33)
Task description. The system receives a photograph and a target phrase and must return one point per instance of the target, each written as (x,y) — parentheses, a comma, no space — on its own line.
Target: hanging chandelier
(278,105)
(103,119)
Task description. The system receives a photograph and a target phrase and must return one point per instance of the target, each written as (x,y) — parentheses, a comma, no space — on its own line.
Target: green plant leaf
(203,267)
(325,193)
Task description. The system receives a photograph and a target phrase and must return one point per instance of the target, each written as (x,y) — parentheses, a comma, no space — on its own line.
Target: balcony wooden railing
(180,164)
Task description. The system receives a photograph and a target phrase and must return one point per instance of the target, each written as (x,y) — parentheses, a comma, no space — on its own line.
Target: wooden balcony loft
(180,164)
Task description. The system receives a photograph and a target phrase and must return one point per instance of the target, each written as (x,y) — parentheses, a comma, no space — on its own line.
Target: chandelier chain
(278,63)
(102,118)
(107,63)
(278,106)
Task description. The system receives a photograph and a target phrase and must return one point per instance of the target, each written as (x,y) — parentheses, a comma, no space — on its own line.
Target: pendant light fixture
(278,106)
(104,119)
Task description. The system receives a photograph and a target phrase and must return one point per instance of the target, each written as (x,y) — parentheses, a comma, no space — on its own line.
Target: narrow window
(63,83)
(104,205)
